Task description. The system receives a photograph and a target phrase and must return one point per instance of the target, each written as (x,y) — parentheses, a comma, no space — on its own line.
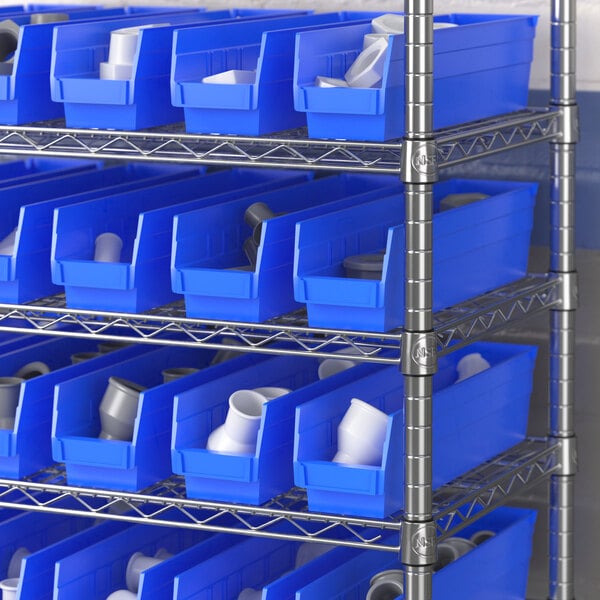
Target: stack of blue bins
(24,89)
(473,420)
(143,219)
(29,202)
(481,68)
(265,51)
(476,248)
(214,278)
(142,101)
(121,464)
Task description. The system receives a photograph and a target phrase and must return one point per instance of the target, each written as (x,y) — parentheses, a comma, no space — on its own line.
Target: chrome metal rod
(562,571)
(562,320)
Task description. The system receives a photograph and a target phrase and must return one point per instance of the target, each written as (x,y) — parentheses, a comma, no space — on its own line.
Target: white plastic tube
(471,365)
(361,435)
(108,247)
(367,70)
(9,588)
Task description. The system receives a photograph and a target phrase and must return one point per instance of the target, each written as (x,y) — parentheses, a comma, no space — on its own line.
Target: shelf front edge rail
(289,334)
(286,517)
(291,149)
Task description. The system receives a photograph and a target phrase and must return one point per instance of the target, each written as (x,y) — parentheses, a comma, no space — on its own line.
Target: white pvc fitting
(231,77)
(239,432)
(162,554)
(271,392)
(7,245)
(388,23)
(333,366)
(137,563)
(250,594)
(10,390)
(115,71)
(309,551)
(122,595)
(118,409)
(367,70)
(481,536)
(33,369)
(446,553)
(14,566)
(330,82)
(177,373)
(108,247)
(370,38)
(9,588)
(471,365)
(361,435)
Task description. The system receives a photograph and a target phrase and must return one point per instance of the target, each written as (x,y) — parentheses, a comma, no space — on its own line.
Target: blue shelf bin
(115,464)
(206,273)
(248,478)
(474,420)
(27,448)
(26,274)
(32,170)
(481,69)
(266,47)
(496,569)
(25,92)
(143,219)
(34,531)
(477,248)
(145,99)
(267,564)
(98,570)
(37,569)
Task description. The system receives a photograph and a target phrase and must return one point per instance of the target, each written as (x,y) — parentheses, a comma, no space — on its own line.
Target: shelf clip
(566,454)
(418,543)
(568,123)
(567,292)
(419,353)
(419,161)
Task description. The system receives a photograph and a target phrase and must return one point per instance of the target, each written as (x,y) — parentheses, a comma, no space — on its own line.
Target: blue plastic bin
(143,219)
(265,47)
(34,531)
(477,248)
(496,570)
(474,420)
(481,68)
(25,274)
(266,564)
(145,99)
(27,448)
(37,569)
(32,170)
(116,464)
(249,478)
(98,570)
(206,274)
(24,92)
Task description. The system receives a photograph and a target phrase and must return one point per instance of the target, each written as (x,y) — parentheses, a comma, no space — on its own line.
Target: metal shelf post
(562,318)
(419,360)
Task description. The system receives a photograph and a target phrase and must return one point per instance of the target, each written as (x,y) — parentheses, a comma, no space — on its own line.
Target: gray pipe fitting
(386,585)
(9,40)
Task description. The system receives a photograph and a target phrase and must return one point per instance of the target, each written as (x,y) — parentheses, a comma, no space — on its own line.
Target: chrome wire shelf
(289,334)
(287,516)
(291,149)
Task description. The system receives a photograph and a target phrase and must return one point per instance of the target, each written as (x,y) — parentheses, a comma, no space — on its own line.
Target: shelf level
(292,149)
(168,325)
(455,506)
